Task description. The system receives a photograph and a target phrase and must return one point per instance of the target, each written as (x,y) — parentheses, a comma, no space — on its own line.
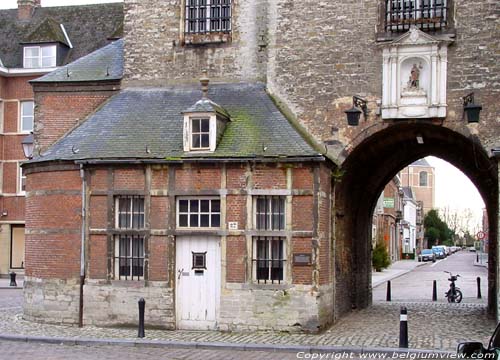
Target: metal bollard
(388,295)
(403,328)
(478,287)
(434,291)
(142,306)
(13,279)
(477,258)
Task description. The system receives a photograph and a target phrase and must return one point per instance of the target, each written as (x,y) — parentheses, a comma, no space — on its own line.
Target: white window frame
(130,211)
(283,260)
(200,133)
(269,214)
(40,57)
(20,178)
(129,257)
(22,116)
(199,212)
(188,133)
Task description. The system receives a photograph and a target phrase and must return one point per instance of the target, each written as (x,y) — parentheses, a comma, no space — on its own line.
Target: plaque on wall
(302,259)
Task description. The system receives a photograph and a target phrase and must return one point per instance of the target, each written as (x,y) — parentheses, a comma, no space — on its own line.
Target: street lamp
(358,107)
(471,110)
(27,144)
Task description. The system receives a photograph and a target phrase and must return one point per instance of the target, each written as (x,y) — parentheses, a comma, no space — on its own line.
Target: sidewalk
(5,283)
(481,259)
(397,269)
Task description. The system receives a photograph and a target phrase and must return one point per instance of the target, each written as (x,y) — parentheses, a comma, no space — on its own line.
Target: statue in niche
(414,80)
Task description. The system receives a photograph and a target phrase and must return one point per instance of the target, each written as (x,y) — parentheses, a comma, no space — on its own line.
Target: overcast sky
(12,4)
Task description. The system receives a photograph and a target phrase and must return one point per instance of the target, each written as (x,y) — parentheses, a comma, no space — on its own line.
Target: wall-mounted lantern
(471,110)
(27,144)
(358,107)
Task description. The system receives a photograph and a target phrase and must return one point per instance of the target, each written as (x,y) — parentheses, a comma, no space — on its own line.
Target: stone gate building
(247,202)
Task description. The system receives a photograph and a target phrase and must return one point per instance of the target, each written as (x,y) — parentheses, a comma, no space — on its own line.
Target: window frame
(270,215)
(200,133)
(20,178)
(22,116)
(282,261)
(130,231)
(40,57)
(416,14)
(420,178)
(192,26)
(210,213)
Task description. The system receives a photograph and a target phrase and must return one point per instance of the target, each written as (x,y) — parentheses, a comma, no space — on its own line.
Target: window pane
(193,206)
(205,141)
(183,205)
(183,220)
(205,205)
(32,51)
(196,141)
(48,61)
(195,126)
(193,221)
(215,220)
(27,108)
(205,125)
(204,220)
(215,205)
(49,51)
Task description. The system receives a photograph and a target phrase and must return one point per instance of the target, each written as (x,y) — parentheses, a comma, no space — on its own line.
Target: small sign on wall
(233,225)
(302,259)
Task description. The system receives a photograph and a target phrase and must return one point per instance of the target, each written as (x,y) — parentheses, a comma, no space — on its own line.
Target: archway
(367,169)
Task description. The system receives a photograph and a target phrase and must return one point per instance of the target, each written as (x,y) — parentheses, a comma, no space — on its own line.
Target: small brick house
(209,204)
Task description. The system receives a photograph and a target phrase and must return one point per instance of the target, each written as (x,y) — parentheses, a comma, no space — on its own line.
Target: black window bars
(206,16)
(426,15)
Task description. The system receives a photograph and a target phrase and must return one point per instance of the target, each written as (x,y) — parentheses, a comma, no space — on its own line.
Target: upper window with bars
(427,15)
(207,16)
(130,212)
(269,212)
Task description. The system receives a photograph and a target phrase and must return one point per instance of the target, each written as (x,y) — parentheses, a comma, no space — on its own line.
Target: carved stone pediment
(414,76)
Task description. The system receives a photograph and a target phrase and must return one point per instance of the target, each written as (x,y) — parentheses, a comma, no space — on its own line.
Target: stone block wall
(156,54)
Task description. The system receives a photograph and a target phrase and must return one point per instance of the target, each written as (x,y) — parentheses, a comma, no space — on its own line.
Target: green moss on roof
(118,33)
(47,32)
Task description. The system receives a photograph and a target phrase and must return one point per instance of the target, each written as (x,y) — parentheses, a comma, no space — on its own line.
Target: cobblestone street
(437,326)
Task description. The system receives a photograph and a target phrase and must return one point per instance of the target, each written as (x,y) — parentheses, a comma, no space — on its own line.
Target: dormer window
(200,134)
(204,123)
(39,56)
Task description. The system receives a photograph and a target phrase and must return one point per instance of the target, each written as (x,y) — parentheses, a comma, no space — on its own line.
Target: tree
(380,257)
(436,230)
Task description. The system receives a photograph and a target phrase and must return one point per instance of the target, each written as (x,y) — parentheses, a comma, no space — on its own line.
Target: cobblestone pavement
(435,326)
(29,351)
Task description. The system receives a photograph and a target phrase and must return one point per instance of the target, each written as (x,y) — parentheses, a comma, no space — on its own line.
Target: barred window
(130,212)
(269,212)
(129,257)
(427,15)
(129,248)
(198,213)
(268,259)
(204,16)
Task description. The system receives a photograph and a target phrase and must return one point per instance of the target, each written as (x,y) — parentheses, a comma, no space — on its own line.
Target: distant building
(409,222)
(421,178)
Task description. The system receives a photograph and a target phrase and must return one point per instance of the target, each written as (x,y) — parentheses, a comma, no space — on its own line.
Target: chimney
(204,85)
(26,8)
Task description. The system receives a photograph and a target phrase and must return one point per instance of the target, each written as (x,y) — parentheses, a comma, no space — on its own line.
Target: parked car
(472,249)
(427,255)
(439,252)
(476,350)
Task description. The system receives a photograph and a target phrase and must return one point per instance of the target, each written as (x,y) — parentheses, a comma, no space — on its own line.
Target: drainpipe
(82,250)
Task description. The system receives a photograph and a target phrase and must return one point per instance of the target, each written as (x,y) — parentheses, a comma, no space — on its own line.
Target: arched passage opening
(367,169)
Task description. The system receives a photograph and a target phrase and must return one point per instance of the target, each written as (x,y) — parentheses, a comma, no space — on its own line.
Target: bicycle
(454,294)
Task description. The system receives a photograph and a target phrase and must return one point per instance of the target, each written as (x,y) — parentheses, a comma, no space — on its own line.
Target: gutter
(82,249)
(24,72)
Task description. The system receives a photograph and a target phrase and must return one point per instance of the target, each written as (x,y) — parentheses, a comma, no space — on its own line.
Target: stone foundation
(296,308)
(51,301)
(116,304)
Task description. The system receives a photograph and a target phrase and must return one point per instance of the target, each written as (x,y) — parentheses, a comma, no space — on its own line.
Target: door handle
(179,272)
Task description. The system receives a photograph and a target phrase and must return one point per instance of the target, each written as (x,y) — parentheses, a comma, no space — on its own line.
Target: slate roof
(206,105)
(103,64)
(148,124)
(420,162)
(48,31)
(408,192)
(88,28)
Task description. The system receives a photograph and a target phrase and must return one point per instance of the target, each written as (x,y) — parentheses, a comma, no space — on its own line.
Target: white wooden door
(198,279)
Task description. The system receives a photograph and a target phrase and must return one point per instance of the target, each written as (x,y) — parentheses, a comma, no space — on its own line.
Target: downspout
(82,249)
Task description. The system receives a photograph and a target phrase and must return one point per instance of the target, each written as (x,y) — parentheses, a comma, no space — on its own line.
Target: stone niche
(414,76)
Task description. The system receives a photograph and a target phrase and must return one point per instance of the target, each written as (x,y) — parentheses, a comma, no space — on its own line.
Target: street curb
(404,272)
(215,345)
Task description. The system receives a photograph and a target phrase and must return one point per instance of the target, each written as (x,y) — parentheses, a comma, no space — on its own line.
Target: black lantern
(471,110)
(27,144)
(358,107)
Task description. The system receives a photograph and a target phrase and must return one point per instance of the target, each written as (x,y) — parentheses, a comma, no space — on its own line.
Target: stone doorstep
(216,345)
